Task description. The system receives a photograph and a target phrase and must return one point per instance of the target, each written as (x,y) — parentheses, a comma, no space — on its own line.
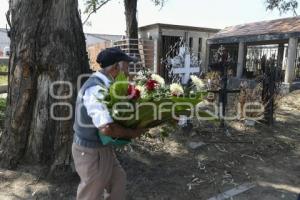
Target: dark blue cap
(113,55)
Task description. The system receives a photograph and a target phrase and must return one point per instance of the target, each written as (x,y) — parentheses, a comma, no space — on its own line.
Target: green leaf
(118,90)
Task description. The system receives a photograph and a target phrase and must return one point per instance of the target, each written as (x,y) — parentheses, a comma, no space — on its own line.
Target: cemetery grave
(196,163)
(265,157)
(250,155)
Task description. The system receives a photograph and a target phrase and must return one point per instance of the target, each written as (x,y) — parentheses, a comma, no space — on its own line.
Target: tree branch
(282,6)
(160,3)
(8,14)
(95,10)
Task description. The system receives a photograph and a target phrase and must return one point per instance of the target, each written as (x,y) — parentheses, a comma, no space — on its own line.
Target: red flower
(151,84)
(133,93)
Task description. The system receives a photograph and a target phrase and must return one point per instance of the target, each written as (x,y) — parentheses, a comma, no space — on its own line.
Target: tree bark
(131,19)
(47,45)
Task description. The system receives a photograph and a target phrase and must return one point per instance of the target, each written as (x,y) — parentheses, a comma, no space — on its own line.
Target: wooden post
(206,61)
(241,57)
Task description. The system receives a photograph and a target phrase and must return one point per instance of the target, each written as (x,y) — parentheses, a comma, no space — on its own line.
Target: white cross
(187,70)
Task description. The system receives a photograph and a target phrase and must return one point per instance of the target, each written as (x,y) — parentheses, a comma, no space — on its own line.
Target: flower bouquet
(148,102)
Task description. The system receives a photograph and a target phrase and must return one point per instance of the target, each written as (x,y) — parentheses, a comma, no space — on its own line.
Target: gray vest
(86,133)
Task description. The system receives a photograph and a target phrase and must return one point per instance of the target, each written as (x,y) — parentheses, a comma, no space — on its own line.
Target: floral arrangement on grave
(252,97)
(213,82)
(149,102)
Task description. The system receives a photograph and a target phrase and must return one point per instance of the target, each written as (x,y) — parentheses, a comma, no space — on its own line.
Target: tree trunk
(47,45)
(131,20)
(131,27)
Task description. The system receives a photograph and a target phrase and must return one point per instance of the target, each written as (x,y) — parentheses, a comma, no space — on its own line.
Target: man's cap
(113,55)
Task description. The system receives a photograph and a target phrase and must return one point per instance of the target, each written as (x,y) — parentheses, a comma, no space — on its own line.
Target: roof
(278,29)
(105,37)
(92,38)
(178,27)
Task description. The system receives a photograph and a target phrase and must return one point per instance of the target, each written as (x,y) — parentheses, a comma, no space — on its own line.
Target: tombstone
(183,66)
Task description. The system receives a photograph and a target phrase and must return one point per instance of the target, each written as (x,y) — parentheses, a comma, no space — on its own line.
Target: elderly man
(95,163)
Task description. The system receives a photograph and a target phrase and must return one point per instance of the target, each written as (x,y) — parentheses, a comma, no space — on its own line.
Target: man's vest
(86,133)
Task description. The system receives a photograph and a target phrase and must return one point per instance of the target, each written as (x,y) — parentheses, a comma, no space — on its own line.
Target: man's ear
(117,67)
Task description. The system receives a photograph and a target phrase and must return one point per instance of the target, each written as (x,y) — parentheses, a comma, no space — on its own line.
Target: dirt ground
(266,158)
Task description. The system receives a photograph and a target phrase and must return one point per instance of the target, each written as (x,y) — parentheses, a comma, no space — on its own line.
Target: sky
(110,19)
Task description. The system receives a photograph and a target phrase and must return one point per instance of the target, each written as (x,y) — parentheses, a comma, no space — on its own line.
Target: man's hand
(116,131)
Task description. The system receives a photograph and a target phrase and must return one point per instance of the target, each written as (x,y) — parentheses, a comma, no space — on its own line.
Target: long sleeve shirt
(95,109)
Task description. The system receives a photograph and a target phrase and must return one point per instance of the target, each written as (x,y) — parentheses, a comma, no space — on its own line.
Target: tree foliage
(92,6)
(283,6)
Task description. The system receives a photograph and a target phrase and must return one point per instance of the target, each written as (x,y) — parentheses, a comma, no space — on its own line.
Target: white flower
(142,90)
(158,79)
(139,76)
(199,83)
(176,89)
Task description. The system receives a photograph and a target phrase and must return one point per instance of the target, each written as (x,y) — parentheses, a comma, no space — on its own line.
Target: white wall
(152,32)
(4,40)
(174,32)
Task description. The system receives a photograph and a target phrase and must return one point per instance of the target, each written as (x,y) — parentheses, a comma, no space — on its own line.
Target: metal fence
(4,61)
(258,54)
(141,49)
(232,59)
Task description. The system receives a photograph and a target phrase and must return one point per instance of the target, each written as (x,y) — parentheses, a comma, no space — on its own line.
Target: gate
(179,60)
(232,58)
(170,48)
(271,54)
(269,80)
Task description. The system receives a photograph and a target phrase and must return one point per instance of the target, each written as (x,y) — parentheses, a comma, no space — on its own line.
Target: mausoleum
(249,43)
